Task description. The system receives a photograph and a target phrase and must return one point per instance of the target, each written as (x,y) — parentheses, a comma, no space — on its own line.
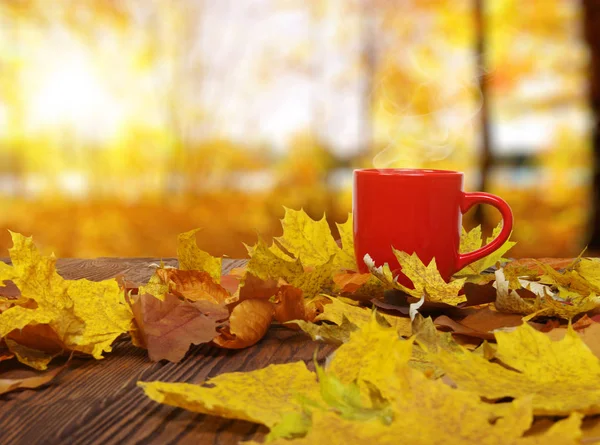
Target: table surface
(99,402)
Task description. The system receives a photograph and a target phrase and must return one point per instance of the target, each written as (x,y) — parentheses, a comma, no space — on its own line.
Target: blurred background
(126,122)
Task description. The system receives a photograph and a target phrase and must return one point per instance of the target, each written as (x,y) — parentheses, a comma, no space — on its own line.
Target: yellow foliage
(83,315)
(192,258)
(561,376)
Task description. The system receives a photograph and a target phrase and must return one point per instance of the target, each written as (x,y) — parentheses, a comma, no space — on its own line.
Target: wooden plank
(99,401)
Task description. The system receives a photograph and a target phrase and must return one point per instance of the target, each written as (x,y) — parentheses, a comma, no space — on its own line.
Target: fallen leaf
(253,287)
(248,323)
(312,242)
(336,310)
(366,393)
(328,333)
(589,269)
(508,300)
(469,243)
(266,265)
(12,384)
(376,357)
(289,305)
(194,285)
(264,396)
(427,281)
(571,281)
(328,427)
(362,287)
(86,316)
(458,328)
(168,327)
(5,354)
(156,286)
(480,323)
(561,376)
(192,258)
(590,336)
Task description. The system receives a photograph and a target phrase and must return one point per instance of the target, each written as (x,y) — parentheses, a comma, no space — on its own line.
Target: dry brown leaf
(168,328)
(31,382)
(254,287)
(458,328)
(193,285)
(248,323)
(362,287)
(289,305)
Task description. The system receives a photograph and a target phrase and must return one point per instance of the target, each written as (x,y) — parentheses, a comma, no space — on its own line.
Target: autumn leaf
(561,376)
(167,328)
(336,311)
(428,281)
(589,334)
(376,358)
(30,382)
(264,396)
(311,241)
(85,316)
(362,287)
(571,282)
(589,269)
(192,258)
(156,286)
(471,241)
(480,323)
(328,333)
(248,323)
(508,300)
(265,265)
(288,304)
(331,428)
(193,285)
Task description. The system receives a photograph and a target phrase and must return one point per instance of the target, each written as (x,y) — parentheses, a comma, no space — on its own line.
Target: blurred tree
(592,35)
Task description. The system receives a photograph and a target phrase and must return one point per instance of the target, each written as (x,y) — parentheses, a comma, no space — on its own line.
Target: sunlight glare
(73,97)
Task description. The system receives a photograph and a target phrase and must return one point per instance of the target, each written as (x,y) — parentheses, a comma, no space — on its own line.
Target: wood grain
(99,402)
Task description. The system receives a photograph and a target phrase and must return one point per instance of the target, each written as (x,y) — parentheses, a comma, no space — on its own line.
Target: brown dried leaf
(289,305)
(193,285)
(248,323)
(12,384)
(168,328)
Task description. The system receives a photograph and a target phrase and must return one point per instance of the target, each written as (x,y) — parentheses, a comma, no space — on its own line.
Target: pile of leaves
(506,343)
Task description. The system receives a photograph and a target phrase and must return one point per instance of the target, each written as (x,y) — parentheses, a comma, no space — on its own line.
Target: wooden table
(99,402)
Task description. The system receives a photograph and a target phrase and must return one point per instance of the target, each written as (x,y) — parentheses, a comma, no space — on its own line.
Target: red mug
(417,211)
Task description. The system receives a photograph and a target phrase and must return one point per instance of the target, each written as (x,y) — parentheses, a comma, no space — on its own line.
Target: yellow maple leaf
(589,269)
(560,376)
(377,357)
(428,281)
(266,265)
(409,427)
(192,258)
(508,300)
(264,396)
(471,241)
(311,241)
(84,316)
(571,281)
(329,333)
(360,316)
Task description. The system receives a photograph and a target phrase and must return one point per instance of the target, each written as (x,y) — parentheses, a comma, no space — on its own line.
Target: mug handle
(468,201)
